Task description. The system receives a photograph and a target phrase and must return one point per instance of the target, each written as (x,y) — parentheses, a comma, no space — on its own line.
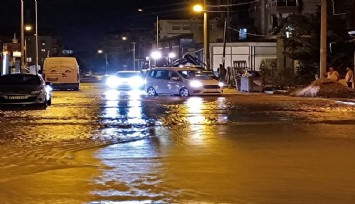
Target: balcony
(283,6)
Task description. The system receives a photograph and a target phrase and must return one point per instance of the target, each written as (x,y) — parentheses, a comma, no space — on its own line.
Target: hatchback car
(126,80)
(24,89)
(181,81)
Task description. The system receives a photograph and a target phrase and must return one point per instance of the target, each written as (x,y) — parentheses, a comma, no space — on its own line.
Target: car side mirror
(175,79)
(48,83)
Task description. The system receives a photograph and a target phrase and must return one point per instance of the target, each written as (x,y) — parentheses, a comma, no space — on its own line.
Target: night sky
(82,23)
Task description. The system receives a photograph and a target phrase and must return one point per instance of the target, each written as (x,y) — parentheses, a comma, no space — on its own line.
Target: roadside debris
(325,88)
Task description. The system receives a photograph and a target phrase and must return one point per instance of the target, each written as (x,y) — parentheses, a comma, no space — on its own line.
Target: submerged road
(102,146)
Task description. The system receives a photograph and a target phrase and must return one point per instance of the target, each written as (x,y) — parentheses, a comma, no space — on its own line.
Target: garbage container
(246,84)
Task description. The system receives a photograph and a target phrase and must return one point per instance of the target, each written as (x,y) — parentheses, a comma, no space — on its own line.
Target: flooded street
(104,146)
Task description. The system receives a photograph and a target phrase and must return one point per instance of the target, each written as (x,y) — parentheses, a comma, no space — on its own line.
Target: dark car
(24,89)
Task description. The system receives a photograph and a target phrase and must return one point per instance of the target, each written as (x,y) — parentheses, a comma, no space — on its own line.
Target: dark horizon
(82,24)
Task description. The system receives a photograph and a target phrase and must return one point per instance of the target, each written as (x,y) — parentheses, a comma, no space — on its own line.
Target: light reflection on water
(122,117)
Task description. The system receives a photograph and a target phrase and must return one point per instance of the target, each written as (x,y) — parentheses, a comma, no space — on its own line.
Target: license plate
(17,97)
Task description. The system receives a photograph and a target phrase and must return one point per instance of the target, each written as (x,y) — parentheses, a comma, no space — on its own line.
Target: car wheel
(151,91)
(49,102)
(44,105)
(184,92)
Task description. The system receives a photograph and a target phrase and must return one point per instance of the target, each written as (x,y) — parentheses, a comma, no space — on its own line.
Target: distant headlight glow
(221,84)
(113,82)
(196,84)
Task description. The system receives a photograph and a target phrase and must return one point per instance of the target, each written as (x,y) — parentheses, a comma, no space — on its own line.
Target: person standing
(349,77)
(333,74)
(222,73)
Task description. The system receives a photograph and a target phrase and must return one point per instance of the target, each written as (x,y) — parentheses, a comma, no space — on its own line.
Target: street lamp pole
(106,64)
(206,37)
(22,39)
(36,34)
(134,55)
(323,38)
(157,32)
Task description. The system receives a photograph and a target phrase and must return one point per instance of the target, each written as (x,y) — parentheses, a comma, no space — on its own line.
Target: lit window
(43,50)
(29,59)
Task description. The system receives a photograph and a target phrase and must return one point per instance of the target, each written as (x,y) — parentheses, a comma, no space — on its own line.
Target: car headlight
(221,84)
(49,88)
(113,82)
(36,92)
(137,81)
(196,84)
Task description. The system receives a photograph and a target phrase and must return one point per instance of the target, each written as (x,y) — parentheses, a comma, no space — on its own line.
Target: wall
(251,52)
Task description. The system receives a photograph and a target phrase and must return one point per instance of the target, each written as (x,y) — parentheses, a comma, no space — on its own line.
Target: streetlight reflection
(195,107)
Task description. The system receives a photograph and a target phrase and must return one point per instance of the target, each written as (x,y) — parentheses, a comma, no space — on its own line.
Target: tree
(300,35)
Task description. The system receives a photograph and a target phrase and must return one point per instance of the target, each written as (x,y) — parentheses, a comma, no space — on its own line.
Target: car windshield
(128,74)
(19,79)
(190,74)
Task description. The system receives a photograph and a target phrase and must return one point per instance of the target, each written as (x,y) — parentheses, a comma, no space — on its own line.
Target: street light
(156,55)
(198,8)
(202,8)
(102,52)
(28,28)
(171,56)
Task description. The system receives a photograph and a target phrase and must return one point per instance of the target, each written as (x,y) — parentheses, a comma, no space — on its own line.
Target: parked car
(126,80)
(25,89)
(181,81)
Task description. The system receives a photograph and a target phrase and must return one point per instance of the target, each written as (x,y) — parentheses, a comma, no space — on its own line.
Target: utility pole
(36,35)
(134,55)
(323,38)
(22,39)
(157,37)
(206,37)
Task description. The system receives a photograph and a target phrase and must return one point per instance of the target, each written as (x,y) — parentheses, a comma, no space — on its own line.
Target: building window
(43,50)
(176,27)
(43,42)
(186,27)
(29,59)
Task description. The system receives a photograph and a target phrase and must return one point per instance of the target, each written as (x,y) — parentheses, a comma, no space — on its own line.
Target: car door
(175,83)
(158,80)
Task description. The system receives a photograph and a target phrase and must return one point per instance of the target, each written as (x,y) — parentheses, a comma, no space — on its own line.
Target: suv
(181,81)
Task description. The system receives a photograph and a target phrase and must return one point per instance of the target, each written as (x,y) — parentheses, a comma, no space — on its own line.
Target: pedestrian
(333,74)
(222,73)
(349,77)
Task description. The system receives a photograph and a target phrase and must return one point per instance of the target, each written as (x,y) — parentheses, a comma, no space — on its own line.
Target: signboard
(16,54)
(12,47)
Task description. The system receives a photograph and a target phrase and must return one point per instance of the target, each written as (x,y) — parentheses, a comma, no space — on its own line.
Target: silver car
(24,89)
(181,81)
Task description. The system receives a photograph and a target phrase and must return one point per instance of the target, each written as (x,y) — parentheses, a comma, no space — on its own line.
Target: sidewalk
(234,91)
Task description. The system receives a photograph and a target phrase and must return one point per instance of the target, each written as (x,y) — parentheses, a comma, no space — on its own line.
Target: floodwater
(101,146)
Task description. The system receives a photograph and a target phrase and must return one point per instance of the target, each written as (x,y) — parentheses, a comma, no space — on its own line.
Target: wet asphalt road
(102,146)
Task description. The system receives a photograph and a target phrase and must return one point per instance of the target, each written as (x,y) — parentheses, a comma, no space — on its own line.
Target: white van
(62,72)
